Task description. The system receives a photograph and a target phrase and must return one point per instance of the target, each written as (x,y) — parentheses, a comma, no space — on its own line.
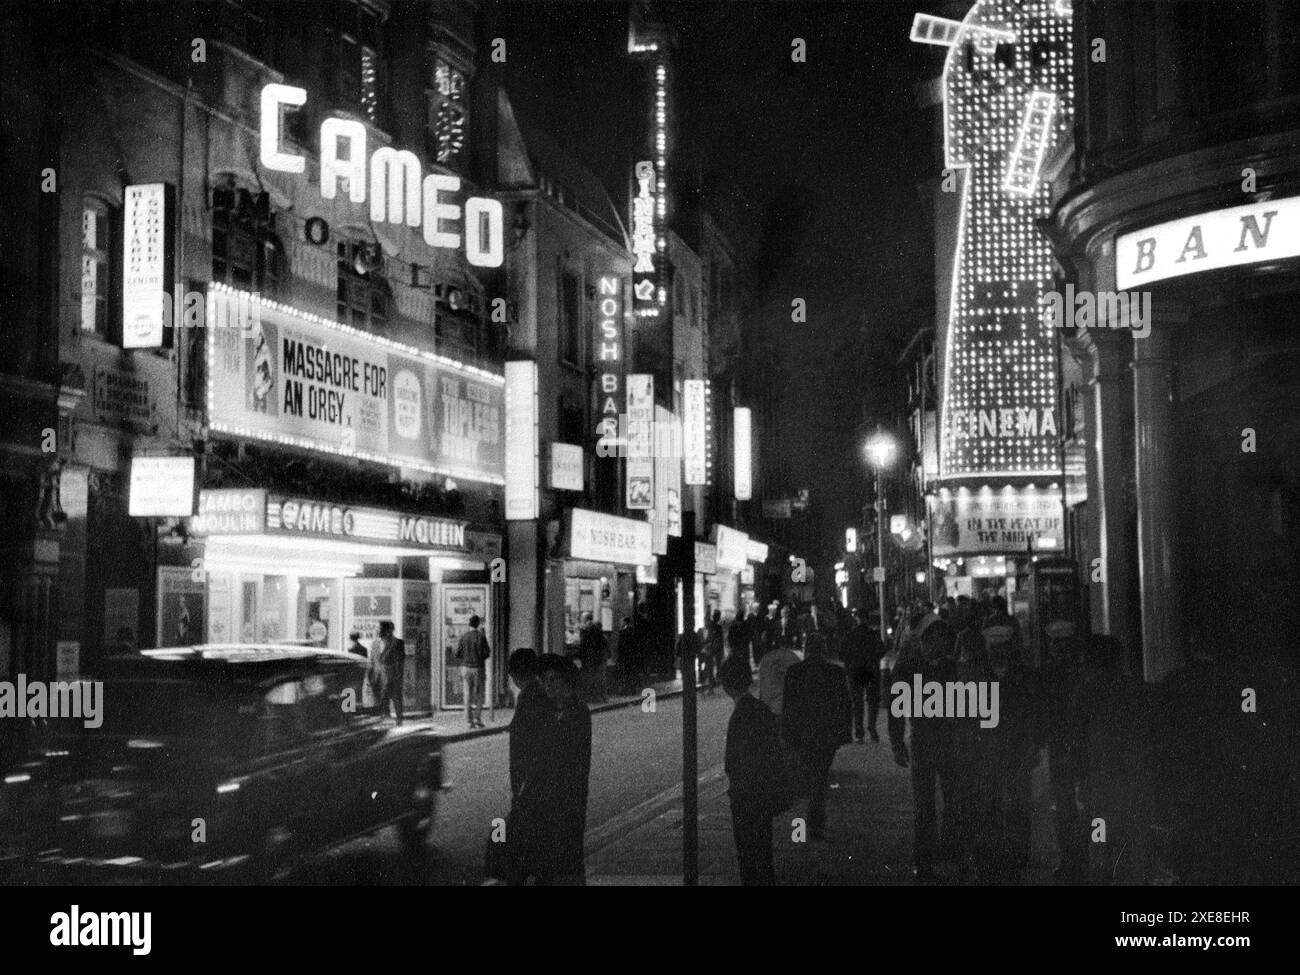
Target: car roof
(232,663)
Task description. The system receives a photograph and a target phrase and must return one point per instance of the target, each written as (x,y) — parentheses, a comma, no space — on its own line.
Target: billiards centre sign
(1209,241)
(397,193)
(256,511)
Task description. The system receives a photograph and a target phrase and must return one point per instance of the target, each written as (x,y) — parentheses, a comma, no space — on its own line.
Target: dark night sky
(823,157)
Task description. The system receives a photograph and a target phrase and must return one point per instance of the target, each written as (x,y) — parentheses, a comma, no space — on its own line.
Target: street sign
(878,574)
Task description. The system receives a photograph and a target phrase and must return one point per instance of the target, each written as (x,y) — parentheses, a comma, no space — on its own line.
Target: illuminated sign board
(161,487)
(609,362)
(565,467)
(1209,241)
(693,431)
(706,558)
(147,213)
(294,378)
(742,438)
(1007,521)
(732,547)
(522,503)
(228,511)
(608,538)
(755,551)
(1008,86)
(640,441)
(398,195)
(645,278)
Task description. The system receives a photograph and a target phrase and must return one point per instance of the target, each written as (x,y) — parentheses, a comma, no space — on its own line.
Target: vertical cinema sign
(609,363)
(644,277)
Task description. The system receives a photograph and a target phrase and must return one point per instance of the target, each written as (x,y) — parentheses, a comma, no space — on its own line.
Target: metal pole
(690,755)
(880,555)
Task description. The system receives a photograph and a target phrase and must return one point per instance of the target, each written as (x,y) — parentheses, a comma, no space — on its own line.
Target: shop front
(991,542)
(603,558)
(281,568)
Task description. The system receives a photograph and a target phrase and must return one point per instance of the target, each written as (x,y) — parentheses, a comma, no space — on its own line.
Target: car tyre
(415,826)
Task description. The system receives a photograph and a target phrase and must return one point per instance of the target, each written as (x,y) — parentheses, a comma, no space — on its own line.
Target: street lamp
(880,450)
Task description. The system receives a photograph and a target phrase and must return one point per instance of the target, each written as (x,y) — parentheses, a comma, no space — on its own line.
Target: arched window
(246,251)
(97,222)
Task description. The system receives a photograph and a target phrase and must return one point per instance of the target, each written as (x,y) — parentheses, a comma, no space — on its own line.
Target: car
(230,761)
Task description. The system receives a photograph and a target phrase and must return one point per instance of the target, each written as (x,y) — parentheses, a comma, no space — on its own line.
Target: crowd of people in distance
(806,681)
(823,677)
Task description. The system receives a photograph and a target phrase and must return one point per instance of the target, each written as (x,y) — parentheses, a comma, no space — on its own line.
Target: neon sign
(397,192)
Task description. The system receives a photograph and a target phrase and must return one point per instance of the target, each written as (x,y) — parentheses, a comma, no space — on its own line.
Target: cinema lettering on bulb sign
(397,193)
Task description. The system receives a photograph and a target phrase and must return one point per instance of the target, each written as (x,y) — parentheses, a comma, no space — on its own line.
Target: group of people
(550,766)
(984,771)
(817,678)
(822,679)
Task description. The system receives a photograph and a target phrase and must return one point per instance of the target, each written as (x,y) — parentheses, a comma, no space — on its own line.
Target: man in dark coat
(388,660)
(530,731)
(565,773)
(935,755)
(862,651)
(816,721)
(755,784)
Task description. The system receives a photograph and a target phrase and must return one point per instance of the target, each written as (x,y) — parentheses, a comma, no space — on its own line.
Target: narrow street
(636,758)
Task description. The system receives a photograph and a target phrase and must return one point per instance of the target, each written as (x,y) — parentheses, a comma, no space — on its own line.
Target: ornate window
(363,292)
(96,265)
(246,252)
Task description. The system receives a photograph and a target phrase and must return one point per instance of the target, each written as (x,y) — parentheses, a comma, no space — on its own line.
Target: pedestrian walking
(816,721)
(565,774)
(593,655)
(861,652)
(1059,682)
(932,753)
(472,653)
(756,786)
(388,665)
(1006,757)
(772,670)
(707,674)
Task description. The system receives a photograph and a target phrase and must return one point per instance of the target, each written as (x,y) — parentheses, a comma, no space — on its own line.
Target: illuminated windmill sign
(1008,102)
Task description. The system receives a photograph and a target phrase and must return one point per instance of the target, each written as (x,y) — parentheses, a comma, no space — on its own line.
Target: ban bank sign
(1248,234)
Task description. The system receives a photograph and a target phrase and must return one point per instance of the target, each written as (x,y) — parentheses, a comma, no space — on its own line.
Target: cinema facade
(1187,186)
(314,441)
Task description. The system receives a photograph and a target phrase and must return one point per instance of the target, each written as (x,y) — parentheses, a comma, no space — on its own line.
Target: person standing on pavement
(627,658)
(933,755)
(565,763)
(862,651)
(756,785)
(816,721)
(714,638)
(760,623)
(472,653)
(772,670)
(592,653)
(388,661)
(530,729)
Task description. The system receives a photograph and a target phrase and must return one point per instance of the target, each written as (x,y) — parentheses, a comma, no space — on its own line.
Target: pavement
(450,725)
(868,833)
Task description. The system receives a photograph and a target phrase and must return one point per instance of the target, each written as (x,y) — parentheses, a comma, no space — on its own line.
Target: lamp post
(880,452)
